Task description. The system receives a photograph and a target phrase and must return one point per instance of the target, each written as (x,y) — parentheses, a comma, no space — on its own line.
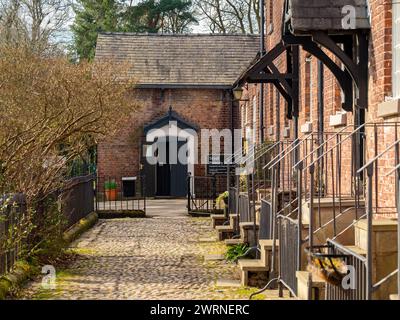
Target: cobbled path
(160,258)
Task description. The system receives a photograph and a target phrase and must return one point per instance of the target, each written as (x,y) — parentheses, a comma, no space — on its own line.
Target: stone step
(317,286)
(267,244)
(224,228)
(357,250)
(266,251)
(327,202)
(253,265)
(217,220)
(233,242)
(247,225)
(233,219)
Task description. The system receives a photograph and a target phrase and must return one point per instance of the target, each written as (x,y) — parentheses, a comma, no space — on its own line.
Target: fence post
(189,195)
(370,173)
(311,218)
(144,192)
(214,190)
(300,213)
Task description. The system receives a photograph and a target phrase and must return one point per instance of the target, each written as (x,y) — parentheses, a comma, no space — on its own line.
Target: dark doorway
(163,171)
(168,177)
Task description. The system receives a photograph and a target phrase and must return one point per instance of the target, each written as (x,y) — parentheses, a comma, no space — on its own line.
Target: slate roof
(326,15)
(198,60)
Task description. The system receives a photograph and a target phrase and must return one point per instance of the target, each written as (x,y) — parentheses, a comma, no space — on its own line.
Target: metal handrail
(321,145)
(346,250)
(378,157)
(297,142)
(280,153)
(263,152)
(336,145)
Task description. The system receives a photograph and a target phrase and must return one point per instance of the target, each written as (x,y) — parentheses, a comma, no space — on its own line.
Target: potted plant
(223,197)
(111,190)
(331,268)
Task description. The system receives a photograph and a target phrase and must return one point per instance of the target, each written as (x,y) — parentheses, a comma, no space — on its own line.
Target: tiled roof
(326,15)
(180,60)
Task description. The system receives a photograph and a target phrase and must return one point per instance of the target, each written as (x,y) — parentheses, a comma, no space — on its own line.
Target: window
(396,49)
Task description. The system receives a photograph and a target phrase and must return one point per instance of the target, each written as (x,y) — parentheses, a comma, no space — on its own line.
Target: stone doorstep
(316,281)
(378,224)
(357,250)
(247,225)
(328,202)
(227,283)
(252,265)
(227,228)
(218,216)
(267,244)
(233,242)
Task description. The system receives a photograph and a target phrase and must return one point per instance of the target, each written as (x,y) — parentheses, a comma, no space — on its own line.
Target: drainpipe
(232,125)
(320,105)
(262,53)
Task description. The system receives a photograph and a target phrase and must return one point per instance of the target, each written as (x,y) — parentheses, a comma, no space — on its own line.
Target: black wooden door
(148,170)
(179,173)
(163,170)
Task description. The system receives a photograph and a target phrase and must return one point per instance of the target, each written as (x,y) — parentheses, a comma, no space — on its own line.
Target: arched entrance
(168,156)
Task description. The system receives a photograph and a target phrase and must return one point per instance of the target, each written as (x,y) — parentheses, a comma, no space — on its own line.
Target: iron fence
(266,220)
(232,201)
(203,192)
(77,198)
(289,249)
(120,194)
(12,214)
(358,265)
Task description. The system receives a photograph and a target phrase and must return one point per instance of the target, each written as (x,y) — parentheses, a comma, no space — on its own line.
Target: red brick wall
(380,86)
(119,155)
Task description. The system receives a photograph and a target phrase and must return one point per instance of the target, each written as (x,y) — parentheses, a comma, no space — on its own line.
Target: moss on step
(82,226)
(21,273)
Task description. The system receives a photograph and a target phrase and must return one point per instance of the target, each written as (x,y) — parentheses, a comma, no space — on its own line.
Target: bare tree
(230,16)
(36,24)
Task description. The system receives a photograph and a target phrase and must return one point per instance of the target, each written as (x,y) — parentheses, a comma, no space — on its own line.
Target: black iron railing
(289,244)
(355,288)
(12,214)
(77,198)
(120,194)
(266,220)
(232,200)
(203,192)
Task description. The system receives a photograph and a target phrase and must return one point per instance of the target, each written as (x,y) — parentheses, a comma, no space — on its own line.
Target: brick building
(185,79)
(323,99)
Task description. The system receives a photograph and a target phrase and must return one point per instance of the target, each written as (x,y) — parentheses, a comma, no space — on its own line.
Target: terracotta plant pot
(111,194)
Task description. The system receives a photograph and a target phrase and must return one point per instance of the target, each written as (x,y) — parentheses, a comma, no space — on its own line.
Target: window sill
(338,120)
(389,109)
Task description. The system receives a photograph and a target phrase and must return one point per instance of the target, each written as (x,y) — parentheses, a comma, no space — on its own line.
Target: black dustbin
(129,187)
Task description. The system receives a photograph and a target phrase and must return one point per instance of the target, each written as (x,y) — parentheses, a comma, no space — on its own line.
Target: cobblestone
(151,258)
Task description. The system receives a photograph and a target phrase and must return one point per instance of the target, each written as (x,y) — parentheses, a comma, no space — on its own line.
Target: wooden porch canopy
(340,27)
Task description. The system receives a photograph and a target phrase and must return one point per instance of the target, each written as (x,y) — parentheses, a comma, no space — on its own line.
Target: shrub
(235,252)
